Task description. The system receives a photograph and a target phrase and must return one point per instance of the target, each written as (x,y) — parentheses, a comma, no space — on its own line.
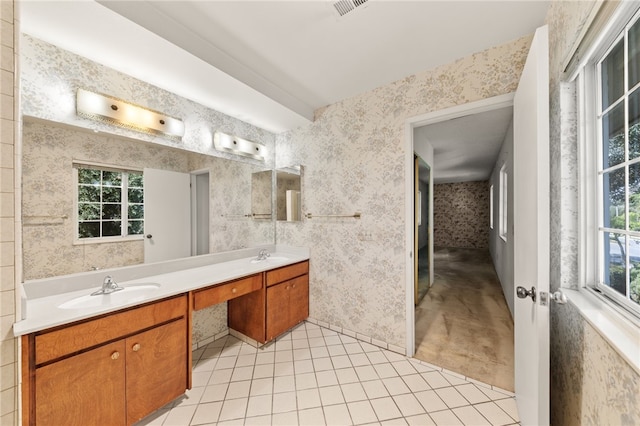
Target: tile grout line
(306,372)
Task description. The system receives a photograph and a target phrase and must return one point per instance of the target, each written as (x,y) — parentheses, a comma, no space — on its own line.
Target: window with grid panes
(110,203)
(618,127)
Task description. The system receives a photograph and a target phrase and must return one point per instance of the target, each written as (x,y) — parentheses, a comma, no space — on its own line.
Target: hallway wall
(501,250)
(461,215)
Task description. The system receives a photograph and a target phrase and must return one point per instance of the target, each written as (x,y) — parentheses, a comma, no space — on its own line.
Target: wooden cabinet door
(156,368)
(246,314)
(278,317)
(299,300)
(287,305)
(85,389)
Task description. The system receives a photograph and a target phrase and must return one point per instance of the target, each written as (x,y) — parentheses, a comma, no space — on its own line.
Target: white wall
(501,250)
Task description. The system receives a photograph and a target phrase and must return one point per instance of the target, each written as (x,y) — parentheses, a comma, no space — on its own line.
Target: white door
(531,233)
(167,215)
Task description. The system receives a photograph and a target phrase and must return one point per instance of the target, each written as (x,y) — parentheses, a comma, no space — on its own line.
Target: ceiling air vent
(345,6)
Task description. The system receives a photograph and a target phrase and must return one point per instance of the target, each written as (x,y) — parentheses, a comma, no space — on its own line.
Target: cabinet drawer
(73,338)
(223,292)
(287,272)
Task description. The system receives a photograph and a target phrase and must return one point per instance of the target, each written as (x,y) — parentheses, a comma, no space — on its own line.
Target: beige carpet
(463,324)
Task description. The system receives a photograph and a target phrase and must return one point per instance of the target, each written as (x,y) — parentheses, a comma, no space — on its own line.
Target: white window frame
(491,206)
(124,236)
(503,210)
(615,324)
(590,164)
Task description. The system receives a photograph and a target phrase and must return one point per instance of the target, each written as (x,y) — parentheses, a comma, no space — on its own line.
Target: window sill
(108,240)
(620,332)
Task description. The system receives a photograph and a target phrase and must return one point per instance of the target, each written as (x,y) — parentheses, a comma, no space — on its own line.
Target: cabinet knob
(293,286)
(136,347)
(234,290)
(115,355)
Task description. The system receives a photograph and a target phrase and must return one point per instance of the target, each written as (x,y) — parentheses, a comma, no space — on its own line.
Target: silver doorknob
(149,236)
(523,293)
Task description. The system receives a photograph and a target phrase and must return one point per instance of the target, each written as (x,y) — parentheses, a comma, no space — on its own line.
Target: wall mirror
(50,191)
(289,193)
(261,195)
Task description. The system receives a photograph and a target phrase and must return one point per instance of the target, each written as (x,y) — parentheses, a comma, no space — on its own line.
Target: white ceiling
(466,148)
(272,63)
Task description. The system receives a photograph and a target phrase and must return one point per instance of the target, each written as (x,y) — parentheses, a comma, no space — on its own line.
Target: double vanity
(114,358)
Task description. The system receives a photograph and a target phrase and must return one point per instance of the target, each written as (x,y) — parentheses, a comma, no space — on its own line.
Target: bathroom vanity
(281,303)
(114,369)
(119,364)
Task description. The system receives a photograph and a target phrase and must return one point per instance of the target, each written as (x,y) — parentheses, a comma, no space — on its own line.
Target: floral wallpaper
(48,192)
(461,215)
(354,162)
(53,136)
(50,78)
(590,383)
(285,182)
(262,195)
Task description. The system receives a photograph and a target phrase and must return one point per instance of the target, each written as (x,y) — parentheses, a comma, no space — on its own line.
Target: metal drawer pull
(234,290)
(136,347)
(115,355)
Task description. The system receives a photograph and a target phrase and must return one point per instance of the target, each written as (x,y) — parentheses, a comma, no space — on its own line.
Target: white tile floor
(315,376)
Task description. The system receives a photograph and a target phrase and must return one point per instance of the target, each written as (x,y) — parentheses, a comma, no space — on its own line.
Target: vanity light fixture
(121,113)
(238,146)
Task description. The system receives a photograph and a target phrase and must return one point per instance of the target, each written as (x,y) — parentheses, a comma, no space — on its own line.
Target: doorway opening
(463,323)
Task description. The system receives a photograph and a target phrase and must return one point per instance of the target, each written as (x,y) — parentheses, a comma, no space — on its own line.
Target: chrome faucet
(108,286)
(263,254)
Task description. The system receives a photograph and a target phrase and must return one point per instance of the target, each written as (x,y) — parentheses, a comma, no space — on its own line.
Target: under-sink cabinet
(281,304)
(287,305)
(116,368)
(110,370)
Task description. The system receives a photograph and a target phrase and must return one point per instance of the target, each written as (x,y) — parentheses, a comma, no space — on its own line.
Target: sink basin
(271,259)
(131,293)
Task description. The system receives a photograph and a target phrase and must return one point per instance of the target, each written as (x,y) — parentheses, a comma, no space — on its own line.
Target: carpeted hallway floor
(463,323)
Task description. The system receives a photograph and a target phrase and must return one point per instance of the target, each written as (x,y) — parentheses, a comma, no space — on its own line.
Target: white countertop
(42,298)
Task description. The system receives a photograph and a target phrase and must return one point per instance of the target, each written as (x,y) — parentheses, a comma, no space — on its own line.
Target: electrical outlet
(366,236)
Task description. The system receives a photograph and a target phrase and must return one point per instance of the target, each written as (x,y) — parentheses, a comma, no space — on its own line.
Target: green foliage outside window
(615,200)
(110,203)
